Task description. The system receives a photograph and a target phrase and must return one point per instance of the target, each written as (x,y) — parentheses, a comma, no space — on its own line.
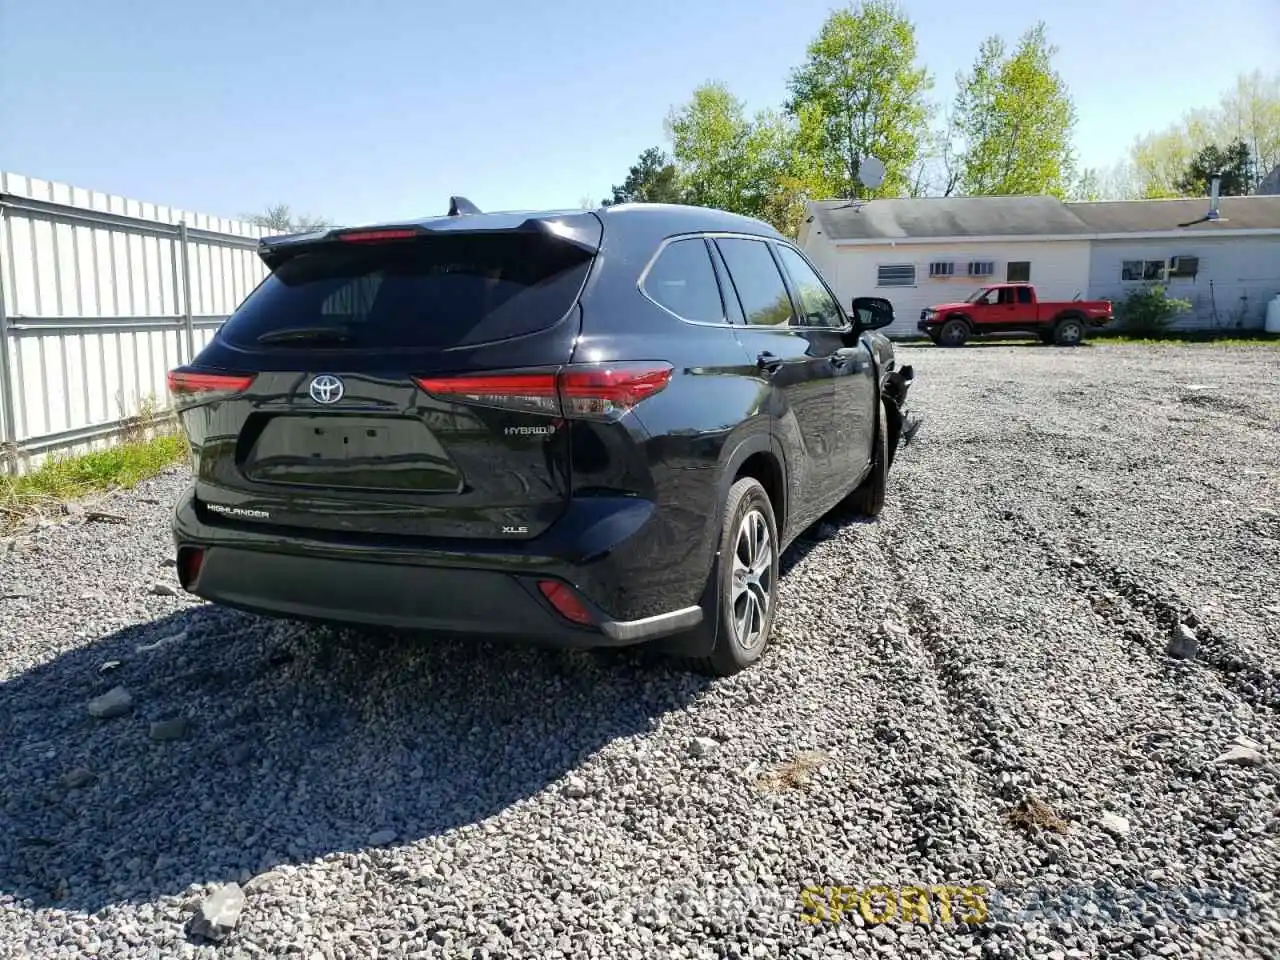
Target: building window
(1184,267)
(1142,270)
(981,268)
(896,275)
(942,269)
(1018,271)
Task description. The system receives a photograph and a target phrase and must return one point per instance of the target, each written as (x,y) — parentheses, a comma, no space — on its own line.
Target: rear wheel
(746,579)
(954,333)
(1068,332)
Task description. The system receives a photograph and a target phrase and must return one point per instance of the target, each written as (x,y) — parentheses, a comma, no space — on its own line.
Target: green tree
(652,179)
(764,167)
(861,76)
(279,216)
(710,137)
(1014,118)
(1087,185)
(1233,163)
(1249,112)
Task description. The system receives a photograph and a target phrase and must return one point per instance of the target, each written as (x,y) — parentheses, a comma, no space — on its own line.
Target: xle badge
(515,530)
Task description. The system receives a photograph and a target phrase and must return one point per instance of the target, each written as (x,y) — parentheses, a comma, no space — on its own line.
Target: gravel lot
(997,641)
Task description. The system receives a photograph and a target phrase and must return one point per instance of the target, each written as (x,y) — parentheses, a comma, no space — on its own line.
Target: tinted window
(817,306)
(423,293)
(759,285)
(682,280)
(1024,294)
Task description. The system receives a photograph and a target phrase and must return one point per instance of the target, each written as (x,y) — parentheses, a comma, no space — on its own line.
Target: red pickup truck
(1005,308)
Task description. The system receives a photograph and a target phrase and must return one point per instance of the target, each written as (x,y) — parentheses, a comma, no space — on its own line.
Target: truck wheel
(1068,332)
(954,333)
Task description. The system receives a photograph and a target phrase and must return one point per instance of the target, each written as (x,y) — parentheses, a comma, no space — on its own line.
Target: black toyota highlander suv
(583,428)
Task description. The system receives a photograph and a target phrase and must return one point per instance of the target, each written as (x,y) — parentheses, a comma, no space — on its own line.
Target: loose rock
(116,702)
(701,746)
(161,589)
(381,838)
(1115,824)
(78,777)
(264,882)
(219,913)
(1183,643)
(1241,757)
(173,728)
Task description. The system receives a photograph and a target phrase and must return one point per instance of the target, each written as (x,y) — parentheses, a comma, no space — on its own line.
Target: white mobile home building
(918,252)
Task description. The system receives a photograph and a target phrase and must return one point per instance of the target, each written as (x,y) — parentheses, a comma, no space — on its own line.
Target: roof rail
(461,206)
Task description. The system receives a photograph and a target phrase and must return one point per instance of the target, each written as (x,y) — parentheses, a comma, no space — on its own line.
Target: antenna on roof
(461,206)
(1215,189)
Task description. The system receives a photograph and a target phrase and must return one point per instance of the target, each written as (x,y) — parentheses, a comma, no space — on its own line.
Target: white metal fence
(99,297)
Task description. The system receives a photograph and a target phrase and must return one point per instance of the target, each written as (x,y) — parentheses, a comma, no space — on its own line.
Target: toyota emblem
(326,388)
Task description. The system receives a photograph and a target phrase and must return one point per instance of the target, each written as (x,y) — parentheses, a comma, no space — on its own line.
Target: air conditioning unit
(1184,266)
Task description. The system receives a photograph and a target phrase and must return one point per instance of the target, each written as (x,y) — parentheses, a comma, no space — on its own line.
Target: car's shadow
(303,742)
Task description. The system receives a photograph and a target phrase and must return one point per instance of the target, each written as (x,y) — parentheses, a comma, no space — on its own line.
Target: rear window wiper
(307,334)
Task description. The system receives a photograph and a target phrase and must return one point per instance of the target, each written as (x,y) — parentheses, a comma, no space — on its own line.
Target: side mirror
(872,313)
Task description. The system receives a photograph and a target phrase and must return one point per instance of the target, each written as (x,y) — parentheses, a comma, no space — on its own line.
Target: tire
(1068,332)
(741,640)
(954,333)
(868,498)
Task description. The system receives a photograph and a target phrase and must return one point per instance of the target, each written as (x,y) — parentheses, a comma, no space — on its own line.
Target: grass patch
(60,479)
(1206,337)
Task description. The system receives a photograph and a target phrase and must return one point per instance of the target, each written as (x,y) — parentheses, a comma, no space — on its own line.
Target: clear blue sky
(373,109)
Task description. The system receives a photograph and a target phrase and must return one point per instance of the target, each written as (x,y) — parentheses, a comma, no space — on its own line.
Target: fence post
(8,425)
(187,319)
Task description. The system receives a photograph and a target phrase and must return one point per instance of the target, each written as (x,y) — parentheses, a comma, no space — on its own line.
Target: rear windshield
(433,292)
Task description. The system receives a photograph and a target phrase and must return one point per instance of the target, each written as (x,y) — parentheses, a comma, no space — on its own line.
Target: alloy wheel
(752,585)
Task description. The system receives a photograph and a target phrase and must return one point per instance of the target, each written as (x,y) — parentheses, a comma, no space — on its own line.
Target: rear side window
(756,279)
(432,292)
(682,280)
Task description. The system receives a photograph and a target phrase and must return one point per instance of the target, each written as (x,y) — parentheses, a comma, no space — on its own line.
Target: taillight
(535,391)
(375,236)
(186,383)
(584,390)
(565,600)
(606,391)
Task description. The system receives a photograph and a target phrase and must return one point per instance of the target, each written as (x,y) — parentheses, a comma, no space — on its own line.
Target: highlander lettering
(239,511)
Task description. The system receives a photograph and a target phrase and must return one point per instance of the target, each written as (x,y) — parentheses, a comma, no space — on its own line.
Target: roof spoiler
(581,229)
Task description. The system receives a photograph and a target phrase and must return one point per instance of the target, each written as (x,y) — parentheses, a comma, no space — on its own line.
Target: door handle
(768,362)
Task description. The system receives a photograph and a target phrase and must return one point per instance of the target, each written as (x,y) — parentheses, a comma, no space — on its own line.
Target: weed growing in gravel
(1036,813)
(67,478)
(793,774)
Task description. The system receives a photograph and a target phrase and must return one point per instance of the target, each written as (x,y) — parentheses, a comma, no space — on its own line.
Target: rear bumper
(488,593)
